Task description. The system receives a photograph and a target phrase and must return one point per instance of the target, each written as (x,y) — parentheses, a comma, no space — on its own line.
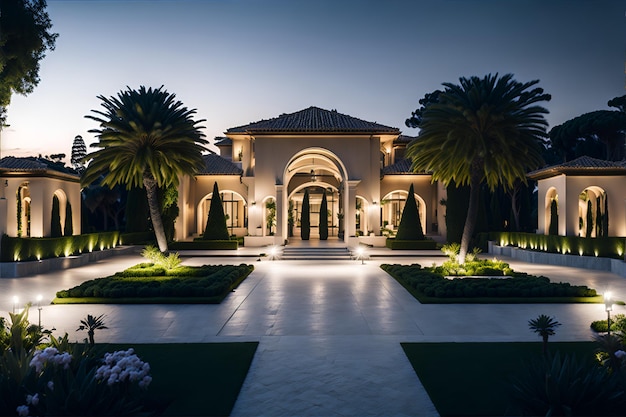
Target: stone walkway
(329,333)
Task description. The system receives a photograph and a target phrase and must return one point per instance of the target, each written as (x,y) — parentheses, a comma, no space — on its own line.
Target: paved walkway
(329,333)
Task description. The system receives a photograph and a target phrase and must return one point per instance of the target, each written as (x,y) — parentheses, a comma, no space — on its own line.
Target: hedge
(137,238)
(432,284)
(200,244)
(396,244)
(36,248)
(147,281)
(607,247)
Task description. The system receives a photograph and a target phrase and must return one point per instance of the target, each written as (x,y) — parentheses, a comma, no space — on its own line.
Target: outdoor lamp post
(360,254)
(39,307)
(608,306)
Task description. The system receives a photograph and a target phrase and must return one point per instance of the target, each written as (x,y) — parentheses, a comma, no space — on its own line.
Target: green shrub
(30,249)
(396,244)
(216,228)
(410,227)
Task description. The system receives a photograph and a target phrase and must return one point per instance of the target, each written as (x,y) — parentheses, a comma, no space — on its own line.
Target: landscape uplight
(16,300)
(361,254)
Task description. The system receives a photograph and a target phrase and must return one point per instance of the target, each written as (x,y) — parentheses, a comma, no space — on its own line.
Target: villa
(264,168)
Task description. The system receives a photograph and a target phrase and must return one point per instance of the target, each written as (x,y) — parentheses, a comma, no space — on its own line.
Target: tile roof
(402,167)
(314,120)
(405,139)
(584,165)
(223,141)
(33,165)
(216,165)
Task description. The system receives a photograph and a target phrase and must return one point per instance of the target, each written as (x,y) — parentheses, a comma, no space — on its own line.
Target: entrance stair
(331,253)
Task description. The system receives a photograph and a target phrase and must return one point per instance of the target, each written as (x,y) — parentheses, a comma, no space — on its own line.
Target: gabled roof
(216,165)
(584,165)
(34,166)
(314,120)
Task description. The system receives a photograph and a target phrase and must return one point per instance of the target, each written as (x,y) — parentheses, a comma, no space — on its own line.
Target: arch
(392,206)
(268,205)
(315,168)
(235,207)
(592,223)
(62,197)
(23,202)
(362,207)
(551,195)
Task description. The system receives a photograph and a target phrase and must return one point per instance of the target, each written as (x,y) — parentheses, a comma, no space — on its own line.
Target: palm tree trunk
(155,211)
(472,211)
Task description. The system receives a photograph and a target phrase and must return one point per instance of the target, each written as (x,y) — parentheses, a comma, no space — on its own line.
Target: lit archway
(593,213)
(235,210)
(23,210)
(317,170)
(392,206)
(551,209)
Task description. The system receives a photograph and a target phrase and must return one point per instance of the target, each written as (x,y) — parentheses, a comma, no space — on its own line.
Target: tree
(324,218)
(599,134)
(410,227)
(25,37)
(270,217)
(55,220)
(484,130)
(305,217)
(545,326)
(79,151)
(416,117)
(216,222)
(146,138)
(68,228)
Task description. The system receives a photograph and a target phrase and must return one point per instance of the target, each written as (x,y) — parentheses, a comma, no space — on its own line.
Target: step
(313,253)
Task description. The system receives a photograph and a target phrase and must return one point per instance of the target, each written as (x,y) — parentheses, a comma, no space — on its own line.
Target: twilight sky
(239,61)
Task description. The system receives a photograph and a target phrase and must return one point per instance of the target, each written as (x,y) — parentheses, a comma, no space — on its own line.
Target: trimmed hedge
(606,247)
(429,284)
(201,244)
(146,281)
(34,248)
(137,238)
(396,244)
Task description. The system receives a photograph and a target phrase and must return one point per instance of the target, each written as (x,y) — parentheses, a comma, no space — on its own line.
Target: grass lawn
(473,379)
(194,379)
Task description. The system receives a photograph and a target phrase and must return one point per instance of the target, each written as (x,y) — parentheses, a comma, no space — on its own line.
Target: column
(281,215)
(350,207)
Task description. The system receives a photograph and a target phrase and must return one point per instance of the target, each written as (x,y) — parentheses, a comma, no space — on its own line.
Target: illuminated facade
(264,168)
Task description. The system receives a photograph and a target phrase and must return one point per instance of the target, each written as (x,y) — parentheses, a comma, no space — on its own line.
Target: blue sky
(239,61)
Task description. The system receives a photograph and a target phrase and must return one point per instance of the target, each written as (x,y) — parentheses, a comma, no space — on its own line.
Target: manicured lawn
(194,379)
(473,379)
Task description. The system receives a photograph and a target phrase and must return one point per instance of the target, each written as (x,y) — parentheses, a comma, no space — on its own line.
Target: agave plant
(545,326)
(91,324)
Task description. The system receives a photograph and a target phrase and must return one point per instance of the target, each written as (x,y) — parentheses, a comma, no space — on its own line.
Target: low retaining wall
(616,266)
(23,269)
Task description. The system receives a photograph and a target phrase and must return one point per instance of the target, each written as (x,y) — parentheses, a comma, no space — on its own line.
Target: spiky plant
(544,326)
(91,324)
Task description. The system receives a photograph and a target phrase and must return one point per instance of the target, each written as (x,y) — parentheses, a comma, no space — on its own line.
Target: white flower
(123,366)
(32,399)
(22,410)
(620,354)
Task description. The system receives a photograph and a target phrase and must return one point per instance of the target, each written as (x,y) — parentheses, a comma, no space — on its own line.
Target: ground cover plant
(483,281)
(153,283)
(429,285)
(477,379)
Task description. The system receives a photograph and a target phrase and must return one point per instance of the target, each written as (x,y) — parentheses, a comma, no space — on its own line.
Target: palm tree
(483,130)
(91,324)
(544,326)
(146,138)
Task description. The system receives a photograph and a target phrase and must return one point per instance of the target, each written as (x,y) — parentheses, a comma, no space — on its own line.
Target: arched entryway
(235,211)
(319,171)
(593,213)
(392,206)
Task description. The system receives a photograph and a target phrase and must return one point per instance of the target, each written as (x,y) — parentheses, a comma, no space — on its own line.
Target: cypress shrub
(554,219)
(410,227)
(324,218)
(589,219)
(55,221)
(68,230)
(216,223)
(305,219)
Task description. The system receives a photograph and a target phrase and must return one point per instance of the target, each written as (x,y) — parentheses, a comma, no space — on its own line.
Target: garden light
(16,300)
(39,307)
(361,254)
(608,306)
(274,252)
